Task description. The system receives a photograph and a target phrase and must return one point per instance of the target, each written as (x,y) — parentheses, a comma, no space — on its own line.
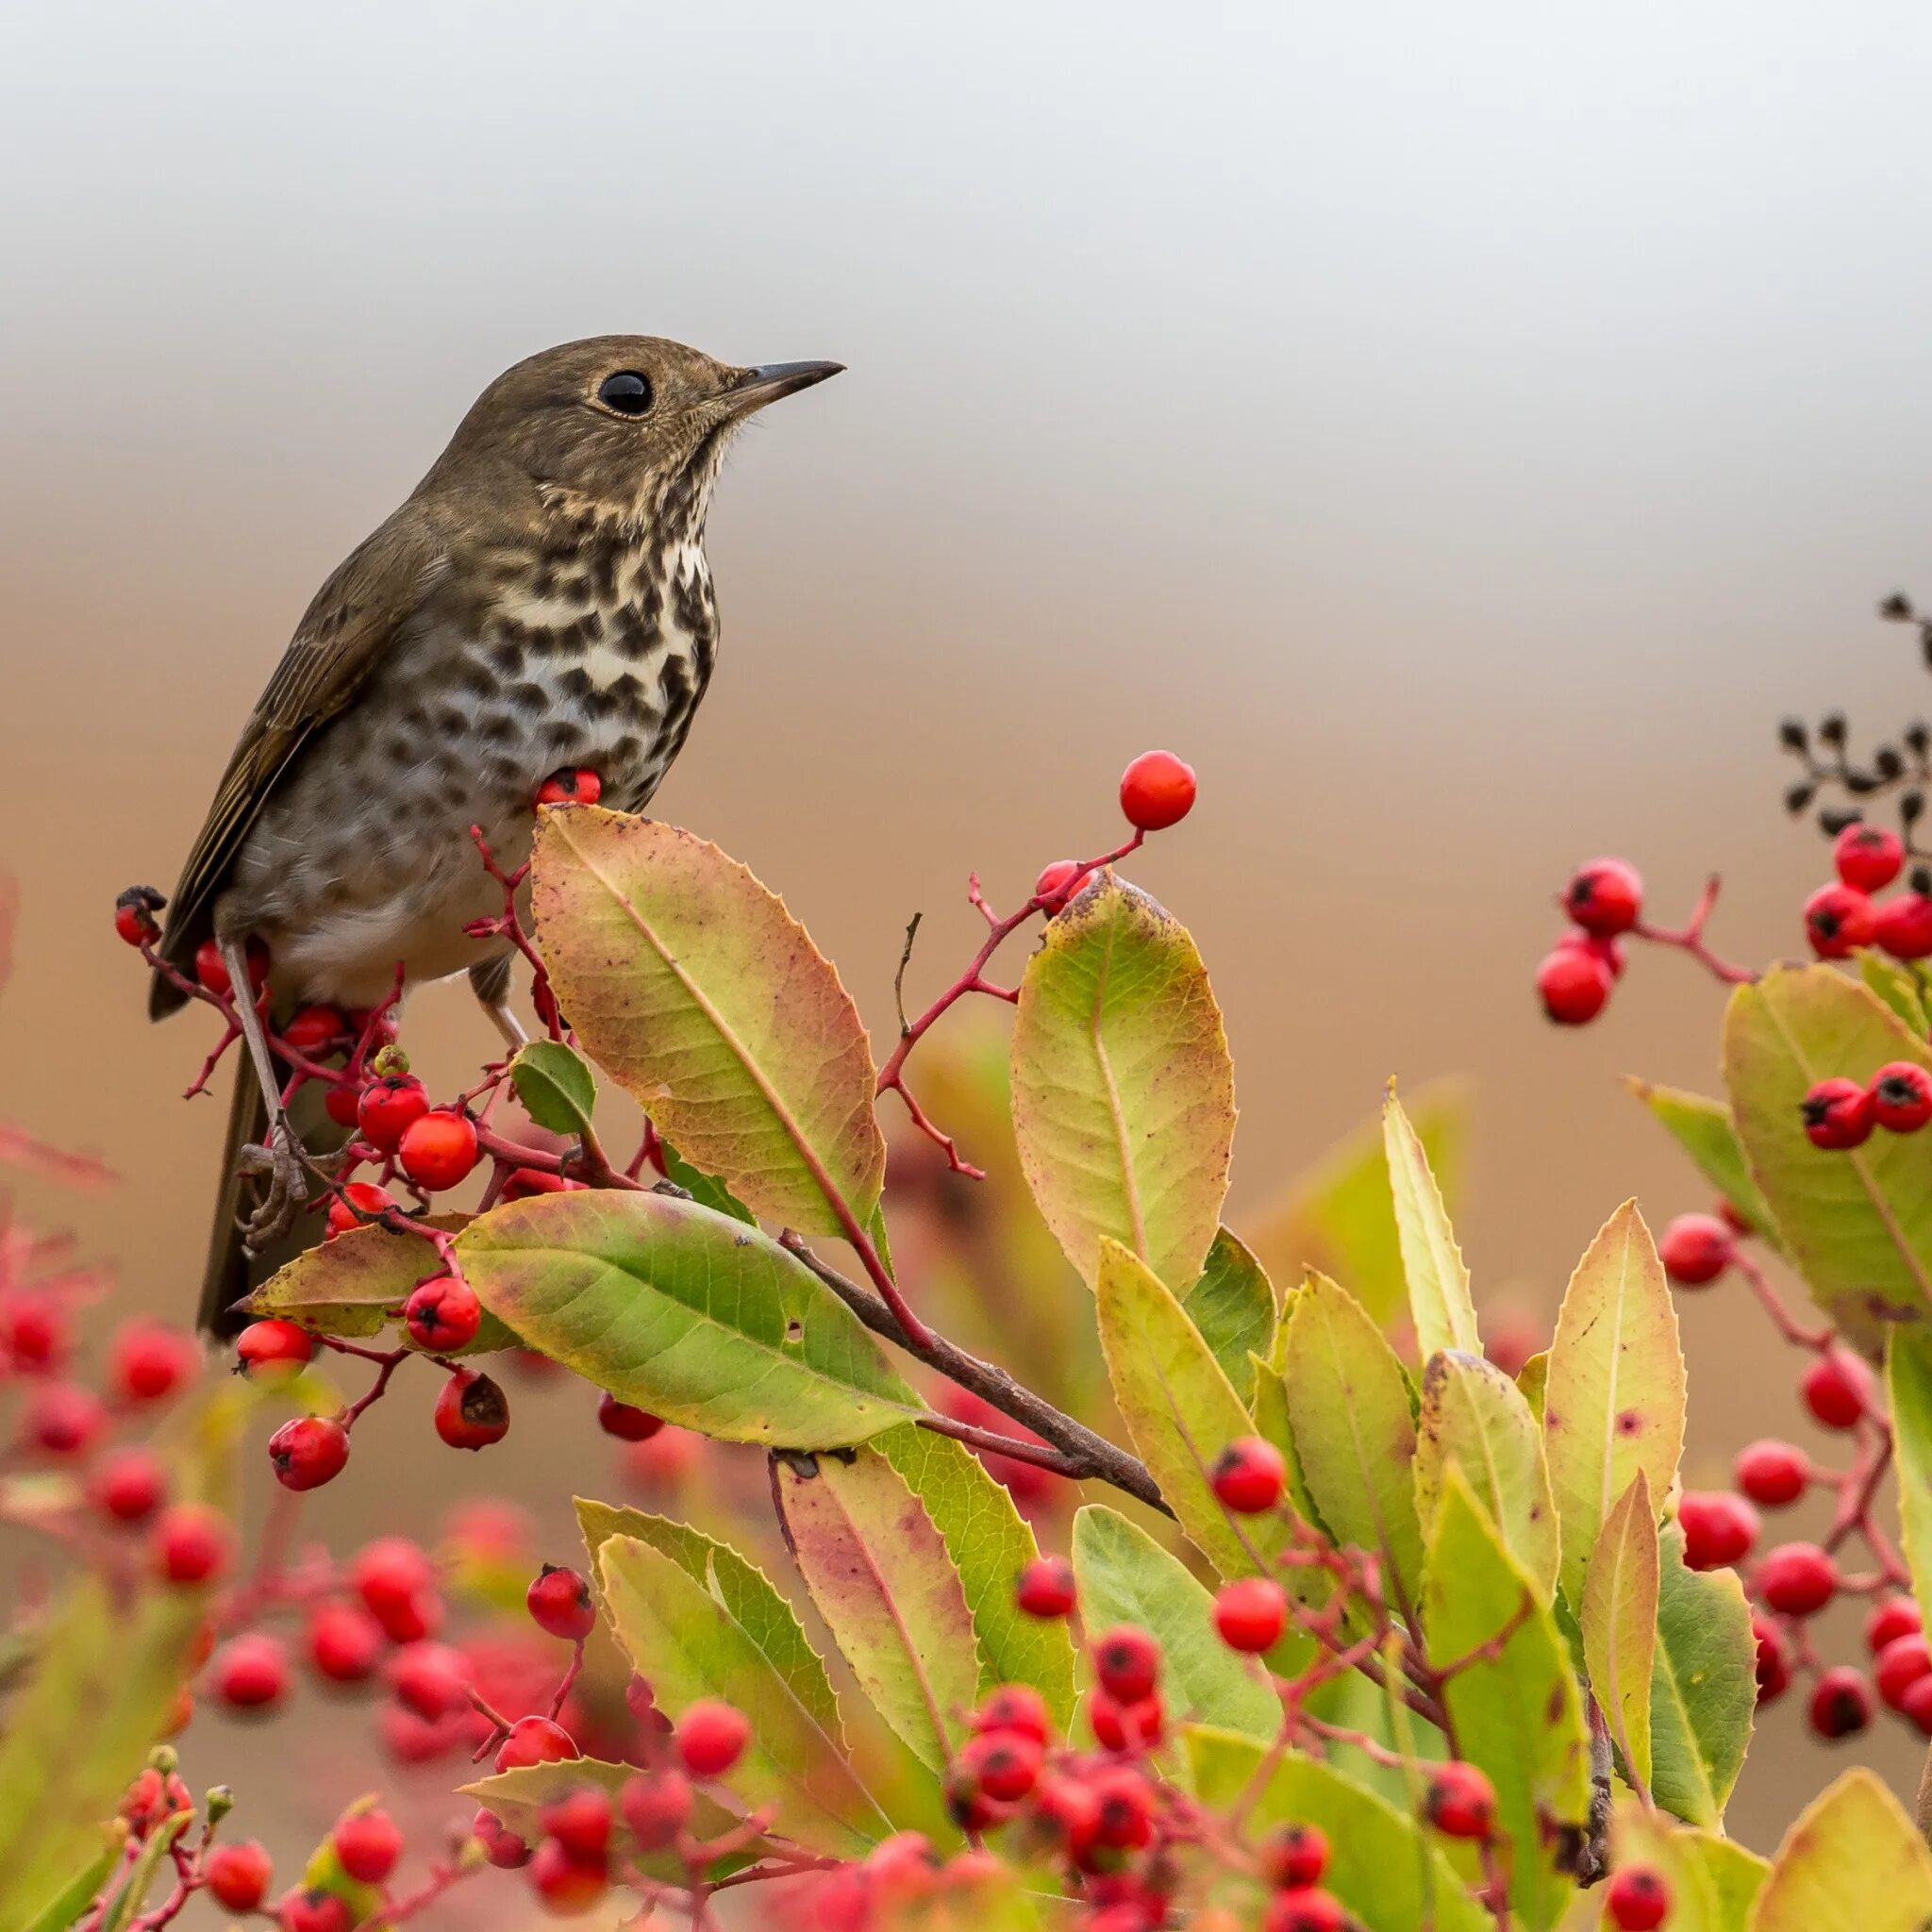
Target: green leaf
(1908,1389)
(990,1543)
(741,1590)
(1857,1224)
(1533,1379)
(1703,1688)
(71,1898)
(1124,1577)
(354,1283)
(886,1586)
(1705,1131)
(1474,1416)
(1618,1620)
(688,1647)
(1851,1859)
(556,1086)
(692,987)
(1898,986)
(1518,1715)
(1737,1877)
(132,1895)
(1339,1219)
(1431,1261)
(518,1797)
(1381,1866)
(1354,1423)
(705,1189)
(1614,1399)
(1674,1850)
(1233,1306)
(1122,1088)
(685,1313)
(1179,1409)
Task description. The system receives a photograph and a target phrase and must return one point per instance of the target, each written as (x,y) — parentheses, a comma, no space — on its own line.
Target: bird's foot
(288,1190)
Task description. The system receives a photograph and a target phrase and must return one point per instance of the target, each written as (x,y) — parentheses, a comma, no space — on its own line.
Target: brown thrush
(539,603)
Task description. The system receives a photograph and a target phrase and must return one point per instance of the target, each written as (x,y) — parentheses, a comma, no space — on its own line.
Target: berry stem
(1688,938)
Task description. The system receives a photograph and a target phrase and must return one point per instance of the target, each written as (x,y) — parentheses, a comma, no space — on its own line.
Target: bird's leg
(280,1158)
(490,982)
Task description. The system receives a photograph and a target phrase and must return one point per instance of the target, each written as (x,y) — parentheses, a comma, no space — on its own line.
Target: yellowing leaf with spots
(1122,1088)
(1618,1620)
(692,987)
(1439,1299)
(1614,1402)
(1853,1859)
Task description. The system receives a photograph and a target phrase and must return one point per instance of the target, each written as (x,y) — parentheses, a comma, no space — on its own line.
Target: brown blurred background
(1462,434)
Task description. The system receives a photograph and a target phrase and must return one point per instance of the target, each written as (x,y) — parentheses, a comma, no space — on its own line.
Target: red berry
(1130,1728)
(387,1110)
(1838,1389)
(345,1641)
(134,915)
(1608,952)
(567,787)
(412,1619)
(626,1424)
(1797,1578)
(238,1875)
(1837,1115)
(1157,790)
(1251,1613)
(311,1909)
(1307,1909)
(1056,882)
(1840,1704)
(1638,1899)
(273,1345)
(439,1149)
(312,1030)
(431,1679)
(1046,1588)
(309,1451)
(341,1102)
(1773,1473)
(1916,1705)
(565,1884)
(152,1797)
(442,1314)
(559,1600)
(64,1419)
(1868,857)
(535,1740)
(503,1848)
(36,1331)
(1900,1665)
(212,971)
(1005,1764)
(580,1822)
(472,1412)
(1461,1801)
(1897,1617)
(711,1737)
(1902,1096)
(1248,1474)
(355,1207)
(250,1672)
(1838,920)
(1126,1659)
(411,1740)
(147,1361)
(656,1808)
(388,1572)
(1696,1249)
(127,1485)
(1125,1799)
(1070,1812)
(1718,1529)
(1772,1664)
(191,1544)
(1294,1855)
(1905,926)
(1575,986)
(368,1844)
(1605,897)
(1015,1707)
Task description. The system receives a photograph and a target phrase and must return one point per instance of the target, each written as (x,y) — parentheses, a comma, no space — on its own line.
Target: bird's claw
(281,1160)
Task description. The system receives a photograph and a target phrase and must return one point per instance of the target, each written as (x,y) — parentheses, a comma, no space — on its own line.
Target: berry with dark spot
(567,787)
(442,1314)
(1461,1801)
(134,915)
(309,1451)
(1127,1659)
(1005,1764)
(1837,1115)
(1840,1704)
(1605,897)
(1127,1727)
(1295,1854)
(1638,1899)
(1838,920)
(565,1884)
(389,1108)
(472,1411)
(274,1346)
(1901,1097)
(1868,857)
(1126,1820)
(1309,1909)
(308,1908)
(559,1602)
(1248,1474)
(1015,1707)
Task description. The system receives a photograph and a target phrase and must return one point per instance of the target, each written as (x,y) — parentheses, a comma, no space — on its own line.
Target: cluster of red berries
(1158,791)
(1839,1114)
(1842,916)
(1605,900)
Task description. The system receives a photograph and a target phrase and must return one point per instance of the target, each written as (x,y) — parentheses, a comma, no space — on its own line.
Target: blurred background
(1462,433)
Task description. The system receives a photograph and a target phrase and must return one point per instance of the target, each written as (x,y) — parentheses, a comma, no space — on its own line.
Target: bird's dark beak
(755,387)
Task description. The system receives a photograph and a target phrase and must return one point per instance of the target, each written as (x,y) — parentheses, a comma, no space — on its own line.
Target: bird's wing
(343,635)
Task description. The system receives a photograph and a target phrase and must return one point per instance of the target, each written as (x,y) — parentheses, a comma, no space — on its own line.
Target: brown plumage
(541,602)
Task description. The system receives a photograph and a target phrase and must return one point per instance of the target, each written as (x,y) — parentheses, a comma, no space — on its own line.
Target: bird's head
(630,426)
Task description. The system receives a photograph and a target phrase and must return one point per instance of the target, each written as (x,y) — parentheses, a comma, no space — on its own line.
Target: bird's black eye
(628,392)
